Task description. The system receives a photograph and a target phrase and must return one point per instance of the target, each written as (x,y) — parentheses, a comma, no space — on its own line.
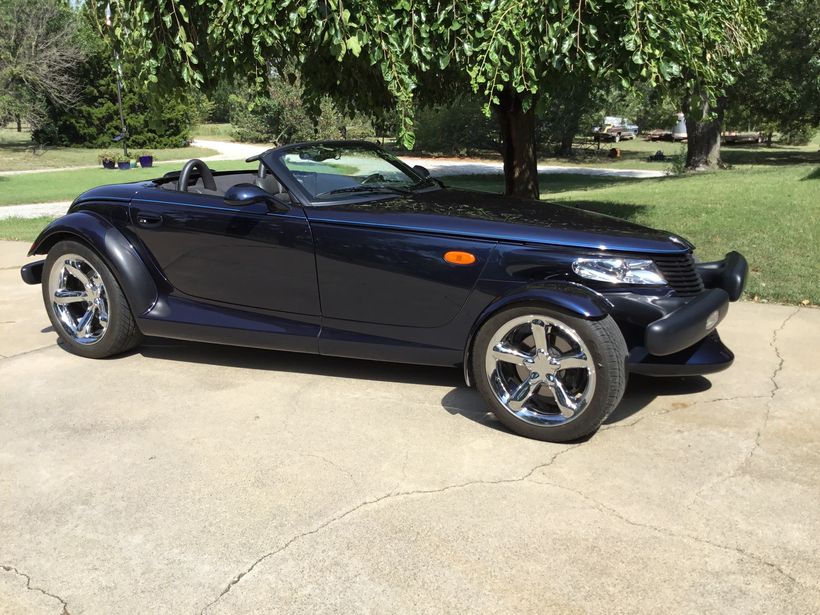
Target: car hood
(496,217)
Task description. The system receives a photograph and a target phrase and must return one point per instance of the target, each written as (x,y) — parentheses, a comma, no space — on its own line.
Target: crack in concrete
(329,462)
(30,587)
(529,477)
(764,423)
(368,503)
(28,352)
(650,415)
(603,508)
(781,360)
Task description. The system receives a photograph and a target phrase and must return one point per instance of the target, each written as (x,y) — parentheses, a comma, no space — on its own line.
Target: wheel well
(485,316)
(52,240)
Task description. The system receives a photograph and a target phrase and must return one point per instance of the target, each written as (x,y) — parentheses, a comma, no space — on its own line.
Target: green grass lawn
(65,185)
(17,153)
(22,229)
(771,214)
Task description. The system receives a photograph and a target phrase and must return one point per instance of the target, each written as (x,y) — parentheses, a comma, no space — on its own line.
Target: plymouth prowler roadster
(338,248)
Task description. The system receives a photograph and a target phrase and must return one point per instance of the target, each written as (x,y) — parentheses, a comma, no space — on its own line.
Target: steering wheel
(204,172)
(374,177)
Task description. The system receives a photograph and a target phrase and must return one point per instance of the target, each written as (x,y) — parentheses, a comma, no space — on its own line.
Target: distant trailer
(740,138)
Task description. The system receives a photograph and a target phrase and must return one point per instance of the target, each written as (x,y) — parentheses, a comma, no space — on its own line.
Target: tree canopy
(38,53)
(376,53)
(779,87)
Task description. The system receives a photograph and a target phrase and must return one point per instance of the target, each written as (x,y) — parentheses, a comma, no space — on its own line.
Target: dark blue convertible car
(338,248)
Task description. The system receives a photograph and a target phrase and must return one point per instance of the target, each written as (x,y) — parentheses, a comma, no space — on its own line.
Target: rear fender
(565,297)
(112,246)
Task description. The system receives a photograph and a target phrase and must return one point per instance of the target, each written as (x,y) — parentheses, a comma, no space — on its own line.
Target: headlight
(618,270)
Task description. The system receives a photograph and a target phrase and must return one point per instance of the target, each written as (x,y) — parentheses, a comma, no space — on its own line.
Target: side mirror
(421,171)
(242,195)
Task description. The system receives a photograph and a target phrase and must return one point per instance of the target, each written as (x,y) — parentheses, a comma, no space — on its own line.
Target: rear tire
(85,303)
(547,375)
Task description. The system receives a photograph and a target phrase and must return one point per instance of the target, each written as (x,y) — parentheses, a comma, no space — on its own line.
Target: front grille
(679,270)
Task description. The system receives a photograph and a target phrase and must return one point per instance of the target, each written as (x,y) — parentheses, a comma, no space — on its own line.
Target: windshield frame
(273,159)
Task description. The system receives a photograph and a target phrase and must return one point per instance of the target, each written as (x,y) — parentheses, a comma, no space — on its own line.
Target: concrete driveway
(185,478)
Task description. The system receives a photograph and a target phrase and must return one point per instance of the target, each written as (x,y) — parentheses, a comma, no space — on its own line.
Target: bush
(458,128)
(798,135)
(153,120)
(276,119)
(282,117)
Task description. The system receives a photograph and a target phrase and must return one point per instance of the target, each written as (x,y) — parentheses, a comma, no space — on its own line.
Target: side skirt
(183,319)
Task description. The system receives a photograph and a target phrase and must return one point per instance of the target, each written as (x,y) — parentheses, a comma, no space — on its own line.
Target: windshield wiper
(367,189)
(427,181)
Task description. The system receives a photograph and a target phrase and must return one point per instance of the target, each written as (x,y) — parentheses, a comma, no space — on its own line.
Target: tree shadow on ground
(815,174)
(549,183)
(770,156)
(625,211)
(570,182)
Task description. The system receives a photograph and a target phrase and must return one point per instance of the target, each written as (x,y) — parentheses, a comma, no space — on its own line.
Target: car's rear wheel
(85,303)
(547,375)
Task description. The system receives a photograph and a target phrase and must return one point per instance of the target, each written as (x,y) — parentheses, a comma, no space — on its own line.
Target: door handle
(149,220)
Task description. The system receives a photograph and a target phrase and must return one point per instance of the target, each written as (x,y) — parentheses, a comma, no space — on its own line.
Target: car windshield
(339,170)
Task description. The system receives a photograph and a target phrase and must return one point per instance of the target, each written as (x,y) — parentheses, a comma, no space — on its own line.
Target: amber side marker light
(459,258)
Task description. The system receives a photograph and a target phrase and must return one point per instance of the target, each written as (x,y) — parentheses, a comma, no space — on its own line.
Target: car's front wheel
(547,375)
(85,303)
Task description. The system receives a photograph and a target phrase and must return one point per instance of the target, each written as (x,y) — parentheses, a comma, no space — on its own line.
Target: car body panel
(246,256)
(365,276)
(494,217)
(393,277)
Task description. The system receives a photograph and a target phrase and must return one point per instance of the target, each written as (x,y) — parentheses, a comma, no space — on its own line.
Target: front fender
(112,246)
(566,297)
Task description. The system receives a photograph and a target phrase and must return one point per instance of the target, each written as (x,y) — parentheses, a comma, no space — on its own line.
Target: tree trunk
(565,147)
(518,146)
(19,123)
(703,126)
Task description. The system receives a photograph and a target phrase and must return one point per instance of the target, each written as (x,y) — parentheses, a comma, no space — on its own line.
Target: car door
(245,256)
(392,277)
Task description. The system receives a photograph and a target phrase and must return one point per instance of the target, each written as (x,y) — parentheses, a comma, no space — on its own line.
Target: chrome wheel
(78,299)
(540,370)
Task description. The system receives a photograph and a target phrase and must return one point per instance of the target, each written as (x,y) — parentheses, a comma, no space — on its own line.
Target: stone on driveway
(185,478)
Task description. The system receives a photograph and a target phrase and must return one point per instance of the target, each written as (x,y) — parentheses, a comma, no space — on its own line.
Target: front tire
(85,303)
(547,375)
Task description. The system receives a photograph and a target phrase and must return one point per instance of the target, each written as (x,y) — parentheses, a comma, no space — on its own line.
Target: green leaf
(353,45)
(408,140)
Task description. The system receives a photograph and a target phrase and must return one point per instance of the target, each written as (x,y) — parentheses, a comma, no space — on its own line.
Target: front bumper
(707,356)
(688,324)
(675,336)
(32,273)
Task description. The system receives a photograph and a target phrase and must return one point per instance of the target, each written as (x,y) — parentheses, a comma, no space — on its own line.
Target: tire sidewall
(116,301)
(606,376)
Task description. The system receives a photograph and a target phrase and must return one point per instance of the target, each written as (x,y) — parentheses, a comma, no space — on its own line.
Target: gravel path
(34,210)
